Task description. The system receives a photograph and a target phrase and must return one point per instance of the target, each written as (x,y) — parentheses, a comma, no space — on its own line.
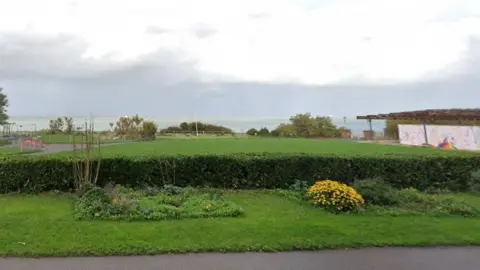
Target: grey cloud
(60,57)
(202,30)
(48,77)
(156,30)
(259,15)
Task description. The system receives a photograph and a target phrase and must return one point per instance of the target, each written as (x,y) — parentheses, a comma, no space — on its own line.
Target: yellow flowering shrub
(335,196)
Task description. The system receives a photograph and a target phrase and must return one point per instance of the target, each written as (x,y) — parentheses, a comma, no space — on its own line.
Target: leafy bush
(120,203)
(475,181)
(172,190)
(148,131)
(376,191)
(271,171)
(420,202)
(300,187)
(335,196)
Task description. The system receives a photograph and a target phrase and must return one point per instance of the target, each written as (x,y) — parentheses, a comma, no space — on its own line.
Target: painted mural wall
(447,137)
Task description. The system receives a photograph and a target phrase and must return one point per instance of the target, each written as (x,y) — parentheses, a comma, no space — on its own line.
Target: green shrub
(171,189)
(120,203)
(335,196)
(271,171)
(376,191)
(300,187)
(416,201)
(475,181)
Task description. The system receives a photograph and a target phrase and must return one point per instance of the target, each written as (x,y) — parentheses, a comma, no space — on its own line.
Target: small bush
(475,181)
(335,196)
(93,204)
(171,189)
(420,202)
(376,191)
(120,203)
(300,187)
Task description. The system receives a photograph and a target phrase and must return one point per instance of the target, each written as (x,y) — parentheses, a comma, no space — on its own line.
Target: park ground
(168,145)
(42,225)
(174,146)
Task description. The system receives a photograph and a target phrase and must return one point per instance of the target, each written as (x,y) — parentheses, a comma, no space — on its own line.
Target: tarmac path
(444,258)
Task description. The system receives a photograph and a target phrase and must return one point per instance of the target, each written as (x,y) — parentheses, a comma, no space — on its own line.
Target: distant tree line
(192,127)
(302,125)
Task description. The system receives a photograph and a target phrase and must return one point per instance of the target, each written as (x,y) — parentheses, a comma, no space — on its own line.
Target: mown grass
(16,151)
(4,142)
(44,226)
(272,145)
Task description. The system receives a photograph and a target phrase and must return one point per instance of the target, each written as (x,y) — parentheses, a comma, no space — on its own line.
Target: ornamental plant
(335,196)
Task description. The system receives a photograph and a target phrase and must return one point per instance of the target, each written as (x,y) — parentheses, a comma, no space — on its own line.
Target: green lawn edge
(42,226)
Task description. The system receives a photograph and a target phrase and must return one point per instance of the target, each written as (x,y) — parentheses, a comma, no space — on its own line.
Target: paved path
(56,148)
(467,258)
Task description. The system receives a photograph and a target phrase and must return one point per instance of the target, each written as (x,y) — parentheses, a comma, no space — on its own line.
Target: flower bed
(119,203)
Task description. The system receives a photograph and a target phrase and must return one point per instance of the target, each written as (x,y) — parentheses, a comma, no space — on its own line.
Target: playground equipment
(31,143)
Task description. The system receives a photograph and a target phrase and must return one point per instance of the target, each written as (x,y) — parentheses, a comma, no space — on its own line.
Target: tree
(69,125)
(137,121)
(264,132)
(252,132)
(274,133)
(149,129)
(135,127)
(305,125)
(286,130)
(126,128)
(185,127)
(3,107)
(56,125)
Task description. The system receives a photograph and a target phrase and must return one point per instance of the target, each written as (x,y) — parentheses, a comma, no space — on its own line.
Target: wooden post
(425,131)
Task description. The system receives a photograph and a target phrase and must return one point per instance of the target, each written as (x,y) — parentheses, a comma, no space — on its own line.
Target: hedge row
(36,174)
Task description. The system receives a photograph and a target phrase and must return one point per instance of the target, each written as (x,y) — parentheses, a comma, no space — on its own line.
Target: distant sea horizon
(30,123)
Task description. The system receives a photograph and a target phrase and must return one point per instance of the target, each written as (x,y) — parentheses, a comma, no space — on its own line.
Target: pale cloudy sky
(238,58)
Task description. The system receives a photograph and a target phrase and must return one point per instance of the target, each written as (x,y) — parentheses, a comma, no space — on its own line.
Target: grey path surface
(56,148)
(466,258)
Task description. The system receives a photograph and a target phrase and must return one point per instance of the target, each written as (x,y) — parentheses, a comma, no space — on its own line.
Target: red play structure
(31,143)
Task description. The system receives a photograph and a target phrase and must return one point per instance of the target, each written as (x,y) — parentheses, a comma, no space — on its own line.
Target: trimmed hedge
(42,173)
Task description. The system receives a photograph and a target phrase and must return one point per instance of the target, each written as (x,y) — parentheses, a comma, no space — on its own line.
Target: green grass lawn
(256,145)
(44,226)
(15,151)
(4,142)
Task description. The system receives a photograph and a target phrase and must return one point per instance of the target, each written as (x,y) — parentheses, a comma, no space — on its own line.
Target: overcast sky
(238,58)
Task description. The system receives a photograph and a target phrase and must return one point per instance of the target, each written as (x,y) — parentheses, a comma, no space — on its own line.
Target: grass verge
(16,151)
(44,226)
(271,145)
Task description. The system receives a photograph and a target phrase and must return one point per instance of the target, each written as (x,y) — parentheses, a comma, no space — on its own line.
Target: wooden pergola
(432,115)
(426,116)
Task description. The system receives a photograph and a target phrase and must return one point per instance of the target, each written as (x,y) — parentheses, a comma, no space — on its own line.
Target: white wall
(463,137)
